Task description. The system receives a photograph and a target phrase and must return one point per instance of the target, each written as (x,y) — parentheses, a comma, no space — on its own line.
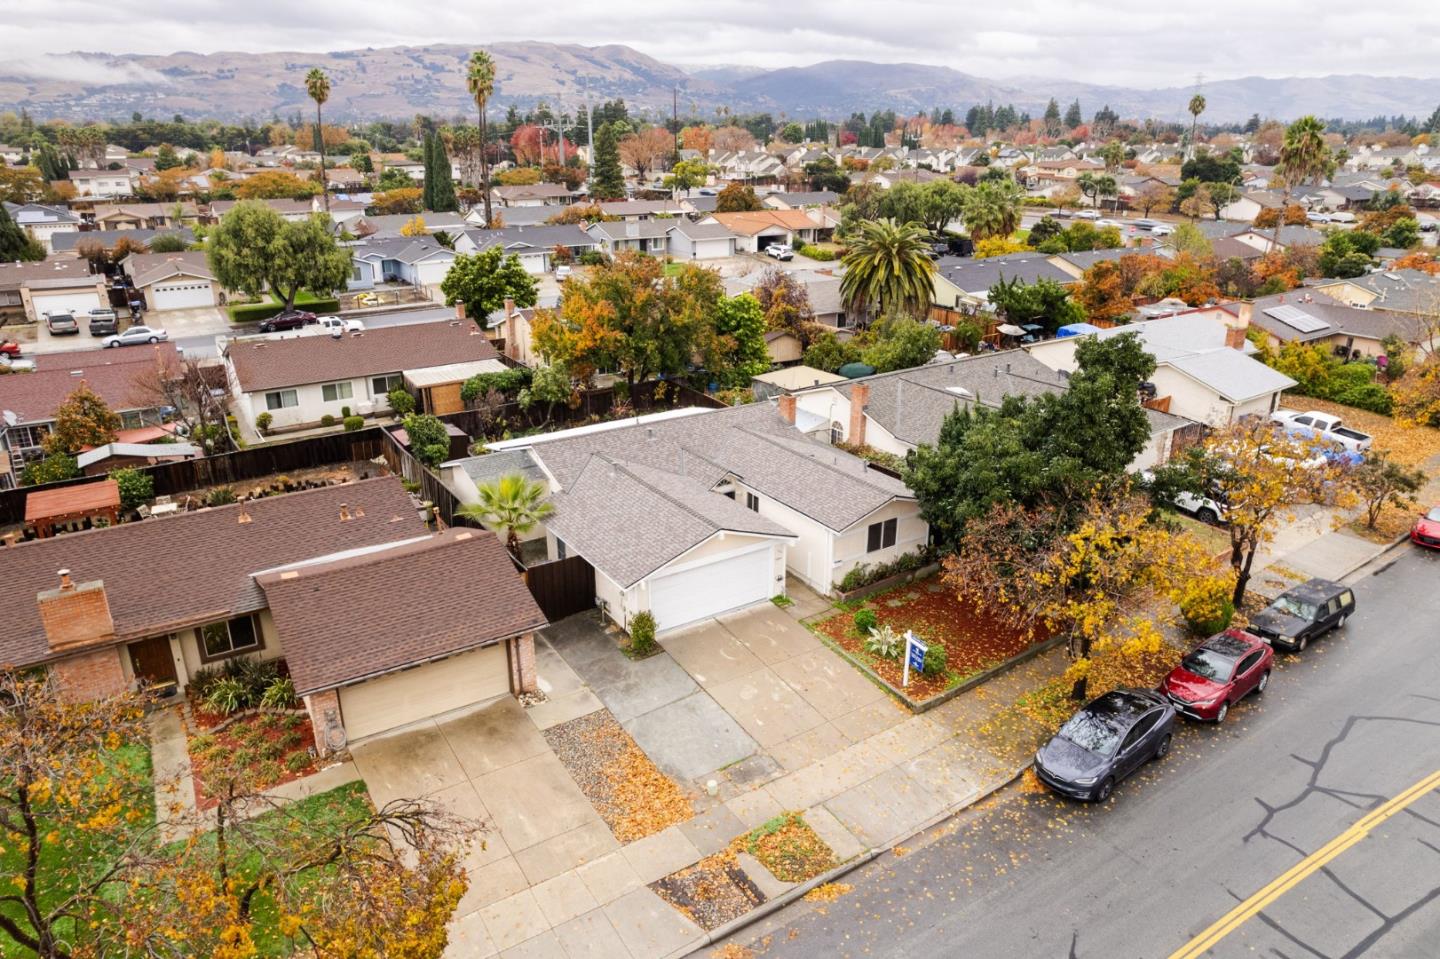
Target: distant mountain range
(403,81)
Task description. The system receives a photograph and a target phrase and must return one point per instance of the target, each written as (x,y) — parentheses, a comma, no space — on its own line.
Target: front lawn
(973,640)
(72,851)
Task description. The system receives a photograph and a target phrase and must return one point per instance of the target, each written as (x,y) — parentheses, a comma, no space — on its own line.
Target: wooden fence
(563,587)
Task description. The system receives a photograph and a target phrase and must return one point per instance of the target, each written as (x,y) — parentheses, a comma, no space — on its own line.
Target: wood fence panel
(562,588)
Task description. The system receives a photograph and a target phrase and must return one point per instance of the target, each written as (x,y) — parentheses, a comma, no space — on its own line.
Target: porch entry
(153,665)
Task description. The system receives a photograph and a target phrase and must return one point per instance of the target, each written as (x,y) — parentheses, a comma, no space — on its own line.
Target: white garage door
(726,582)
(182,296)
(380,704)
(78,302)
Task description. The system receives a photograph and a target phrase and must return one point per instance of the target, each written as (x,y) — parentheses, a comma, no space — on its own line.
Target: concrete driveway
(179,324)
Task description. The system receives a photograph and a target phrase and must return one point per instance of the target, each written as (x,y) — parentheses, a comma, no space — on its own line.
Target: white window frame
(275,400)
(382,385)
(342,390)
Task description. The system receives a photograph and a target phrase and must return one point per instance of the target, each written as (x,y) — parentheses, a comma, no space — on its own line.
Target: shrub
(291,740)
(885,642)
(344,412)
(865,621)
(936,660)
(279,694)
(267,770)
(642,634)
(135,487)
(865,574)
(220,496)
(858,576)
(327,420)
(1205,604)
(203,679)
(226,696)
(353,423)
(401,401)
(593,258)
(271,749)
(297,762)
(263,421)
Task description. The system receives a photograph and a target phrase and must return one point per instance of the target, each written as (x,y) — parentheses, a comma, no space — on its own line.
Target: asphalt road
(204,345)
(1344,728)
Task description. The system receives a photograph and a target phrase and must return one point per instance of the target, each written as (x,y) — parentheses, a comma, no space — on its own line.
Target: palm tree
(512,505)
(1304,158)
(993,209)
(480,79)
(1197,107)
(888,265)
(318,86)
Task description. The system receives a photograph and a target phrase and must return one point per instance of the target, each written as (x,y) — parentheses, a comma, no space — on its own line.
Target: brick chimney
(512,330)
(859,399)
(459,311)
(787,407)
(75,615)
(1235,330)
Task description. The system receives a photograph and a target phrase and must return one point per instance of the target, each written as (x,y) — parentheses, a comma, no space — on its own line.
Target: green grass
(255,312)
(673,269)
(72,849)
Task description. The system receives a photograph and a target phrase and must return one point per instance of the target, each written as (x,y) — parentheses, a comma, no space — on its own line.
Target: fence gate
(562,588)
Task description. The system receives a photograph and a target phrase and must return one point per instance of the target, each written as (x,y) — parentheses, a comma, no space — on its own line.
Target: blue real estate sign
(915,653)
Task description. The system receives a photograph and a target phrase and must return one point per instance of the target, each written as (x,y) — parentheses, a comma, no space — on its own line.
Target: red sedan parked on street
(1426,531)
(1219,672)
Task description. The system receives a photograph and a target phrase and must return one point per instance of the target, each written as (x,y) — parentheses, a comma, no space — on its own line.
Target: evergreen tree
(52,167)
(443,198)
(1052,118)
(947,117)
(1432,125)
(608,182)
(15,243)
(427,157)
(1073,116)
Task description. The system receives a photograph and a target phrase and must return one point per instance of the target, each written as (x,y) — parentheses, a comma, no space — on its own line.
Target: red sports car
(9,348)
(1426,531)
(1219,672)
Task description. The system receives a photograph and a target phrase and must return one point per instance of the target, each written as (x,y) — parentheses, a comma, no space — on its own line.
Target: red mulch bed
(262,744)
(974,640)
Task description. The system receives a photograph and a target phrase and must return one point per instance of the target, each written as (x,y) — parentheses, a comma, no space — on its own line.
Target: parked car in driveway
(1106,741)
(1426,531)
(104,322)
(1218,673)
(1304,613)
(61,324)
(1315,423)
(136,335)
(780,251)
(287,320)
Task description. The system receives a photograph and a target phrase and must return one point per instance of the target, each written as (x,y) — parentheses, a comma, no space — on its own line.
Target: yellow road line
(1293,876)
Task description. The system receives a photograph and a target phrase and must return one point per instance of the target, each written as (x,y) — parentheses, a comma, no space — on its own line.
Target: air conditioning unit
(365,409)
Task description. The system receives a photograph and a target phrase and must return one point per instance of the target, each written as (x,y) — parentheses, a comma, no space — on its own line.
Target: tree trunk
(1080,649)
(484,165)
(320,144)
(1280,220)
(1242,578)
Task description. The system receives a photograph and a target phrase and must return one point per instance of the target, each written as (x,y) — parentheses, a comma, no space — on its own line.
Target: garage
(712,586)
(414,694)
(78,302)
(187,295)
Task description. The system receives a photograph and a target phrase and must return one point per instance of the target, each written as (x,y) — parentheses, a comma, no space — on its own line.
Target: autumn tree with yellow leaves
(91,875)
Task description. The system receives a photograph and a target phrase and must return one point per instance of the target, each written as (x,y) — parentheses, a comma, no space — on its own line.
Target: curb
(770,907)
(1382,551)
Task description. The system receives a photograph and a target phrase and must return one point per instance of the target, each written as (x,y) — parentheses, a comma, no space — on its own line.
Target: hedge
(255,312)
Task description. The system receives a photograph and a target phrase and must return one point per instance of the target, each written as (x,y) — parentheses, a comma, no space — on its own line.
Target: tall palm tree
(1304,158)
(511,505)
(993,209)
(888,266)
(1197,107)
(318,86)
(480,79)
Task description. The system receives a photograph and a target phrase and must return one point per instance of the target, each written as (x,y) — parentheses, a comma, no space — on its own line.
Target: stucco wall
(911,532)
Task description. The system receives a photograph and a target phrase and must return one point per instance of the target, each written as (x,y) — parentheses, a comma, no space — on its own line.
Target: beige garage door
(424,691)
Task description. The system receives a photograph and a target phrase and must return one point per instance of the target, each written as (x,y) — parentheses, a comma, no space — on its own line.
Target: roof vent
(345,516)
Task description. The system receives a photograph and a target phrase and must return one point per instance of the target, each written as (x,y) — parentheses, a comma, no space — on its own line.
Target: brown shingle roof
(272,364)
(754,222)
(13,274)
(165,574)
(348,620)
(72,500)
(112,374)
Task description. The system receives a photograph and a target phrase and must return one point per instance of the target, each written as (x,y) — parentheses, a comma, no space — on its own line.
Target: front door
(153,664)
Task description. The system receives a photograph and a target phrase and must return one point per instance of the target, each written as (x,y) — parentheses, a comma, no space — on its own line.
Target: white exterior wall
(1259,406)
(312,405)
(429,272)
(1056,354)
(911,532)
(1190,399)
(808,557)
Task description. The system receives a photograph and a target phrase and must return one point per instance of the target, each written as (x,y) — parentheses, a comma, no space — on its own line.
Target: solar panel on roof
(1296,319)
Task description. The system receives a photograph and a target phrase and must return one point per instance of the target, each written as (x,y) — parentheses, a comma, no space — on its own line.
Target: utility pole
(675,118)
(589,136)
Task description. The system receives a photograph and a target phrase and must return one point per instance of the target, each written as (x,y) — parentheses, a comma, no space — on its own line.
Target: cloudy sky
(1139,42)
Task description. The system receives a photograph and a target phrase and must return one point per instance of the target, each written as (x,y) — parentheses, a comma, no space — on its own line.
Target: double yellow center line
(1297,873)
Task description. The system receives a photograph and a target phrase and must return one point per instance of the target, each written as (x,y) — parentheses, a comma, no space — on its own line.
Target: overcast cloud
(1139,42)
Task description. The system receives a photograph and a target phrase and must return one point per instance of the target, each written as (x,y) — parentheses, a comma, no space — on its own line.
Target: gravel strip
(712,892)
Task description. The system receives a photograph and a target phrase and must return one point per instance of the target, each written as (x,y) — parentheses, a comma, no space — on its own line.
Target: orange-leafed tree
(83,420)
(647,150)
(1102,293)
(275,185)
(731,139)
(696,138)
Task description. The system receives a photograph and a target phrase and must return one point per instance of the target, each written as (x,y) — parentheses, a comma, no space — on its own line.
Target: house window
(281,400)
(560,548)
(837,434)
(380,385)
(355,273)
(229,637)
(752,502)
(330,392)
(880,536)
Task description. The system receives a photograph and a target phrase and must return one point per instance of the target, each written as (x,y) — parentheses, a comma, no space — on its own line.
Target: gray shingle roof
(65,242)
(1233,375)
(977,276)
(545,237)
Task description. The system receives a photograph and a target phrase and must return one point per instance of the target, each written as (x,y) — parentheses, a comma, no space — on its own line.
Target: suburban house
(534,194)
(642,209)
(381,622)
(103,183)
(1248,205)
(800,201)
(28,401)
(791,379)
(300,379)
(756,230)
(41,221)
(636,236)
(699,241)
(388,226)
(962,283)
(416,260)
(1305,317)
(1400,291)
(79,244)
(1203,367)
(29,290)
(896,412)
(99,460)
(534,245)
(145,216)
(173,281)
(822,288)
(691,513)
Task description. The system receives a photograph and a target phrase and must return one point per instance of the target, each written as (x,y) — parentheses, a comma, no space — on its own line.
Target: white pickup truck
(332,326)
(1325,426)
